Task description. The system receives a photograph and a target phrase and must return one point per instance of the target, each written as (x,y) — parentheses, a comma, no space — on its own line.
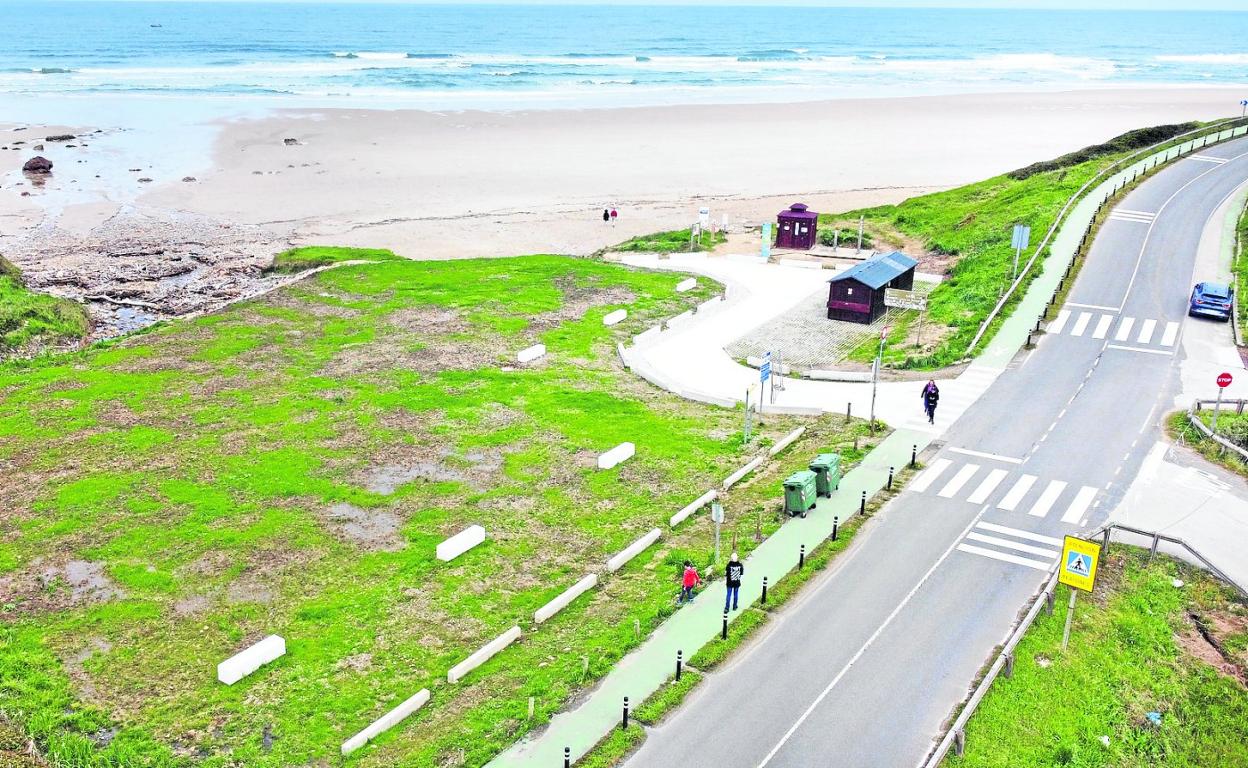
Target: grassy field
(1232,426)
(969,229)
(1240,267)
(670,242)
(1138,645)
(288,466)
(30,320)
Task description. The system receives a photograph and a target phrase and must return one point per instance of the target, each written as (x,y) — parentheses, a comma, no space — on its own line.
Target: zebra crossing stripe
(1059,322)
(1146,331)
(989,484)
(1074,513)
(1081,324)
(995,555)
(953,486)
(1207,159)
(1170,334)
(1016,494)
(1018,534)
(1102,326)
(929,475)
(1124,329)
(1028,548)
(1047,498)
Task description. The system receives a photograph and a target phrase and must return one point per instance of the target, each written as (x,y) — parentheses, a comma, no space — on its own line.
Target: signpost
(1020,240)
(861,220)
(1243,103)
(717,517)
(875,374)
(766,251)
(1224,381)
(1077,570)
(894,297)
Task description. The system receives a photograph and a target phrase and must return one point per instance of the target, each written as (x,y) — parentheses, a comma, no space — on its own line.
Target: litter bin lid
(829,459)
(800,477)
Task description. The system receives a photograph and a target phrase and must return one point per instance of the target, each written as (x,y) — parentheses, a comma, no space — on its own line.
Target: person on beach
(688,582)
(614,214)
(931,395)
(606,216)
(733,573)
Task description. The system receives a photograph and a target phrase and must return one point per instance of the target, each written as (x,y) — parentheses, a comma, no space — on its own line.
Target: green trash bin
(827,469)
(799,493)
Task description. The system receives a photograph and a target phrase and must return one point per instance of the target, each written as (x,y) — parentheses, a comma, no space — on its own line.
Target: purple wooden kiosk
(796,227)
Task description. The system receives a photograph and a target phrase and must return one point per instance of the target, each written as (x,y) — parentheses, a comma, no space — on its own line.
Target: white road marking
(1019,534)
(1102,326)
(1079,505)
(1016,494)
(1028,548)
(1136,219)
(1081,324)
(1140,349)
(1170,334)
(1147,214)
(1092,306)
(984,455)
(1059,322)
(1207,159)
(1047,498)
(989,484)
(1146,331)
(962,478)
(1124,329)
(995,555)
(929,475)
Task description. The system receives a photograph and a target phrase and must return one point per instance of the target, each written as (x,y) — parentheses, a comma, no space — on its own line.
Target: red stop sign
(1224,380)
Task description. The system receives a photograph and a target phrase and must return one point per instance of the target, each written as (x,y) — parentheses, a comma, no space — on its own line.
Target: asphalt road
(867,665)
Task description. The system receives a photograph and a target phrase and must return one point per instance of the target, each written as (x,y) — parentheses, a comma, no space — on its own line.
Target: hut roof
(799,211)
(878,270)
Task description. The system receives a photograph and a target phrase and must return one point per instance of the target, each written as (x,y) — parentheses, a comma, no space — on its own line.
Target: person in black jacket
(931,395)
(733,572)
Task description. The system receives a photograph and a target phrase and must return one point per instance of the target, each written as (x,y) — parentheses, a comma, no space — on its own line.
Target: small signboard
(900,299)
(764,370)
(1021,238)
(1224,380)
(1078,563)
(717,512)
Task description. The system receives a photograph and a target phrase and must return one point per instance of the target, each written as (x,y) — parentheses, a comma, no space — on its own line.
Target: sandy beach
(434,185)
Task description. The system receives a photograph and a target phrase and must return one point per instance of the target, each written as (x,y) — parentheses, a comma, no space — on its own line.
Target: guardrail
(1218,128)
(1236,265)
(955,737)
(1209,433)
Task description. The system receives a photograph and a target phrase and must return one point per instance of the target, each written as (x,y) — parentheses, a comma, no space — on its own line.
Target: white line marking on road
(1147,420)
(1149,214)
(1092,306)
(1081,324)
(989,484)
(870,641)
(1059,322)
(1146,331)
(1079,505)
(1124,329)
(1171,332)
(1037,564)
(962,478)
(1130,217)
(1102,326)
(929,475)
(1028,548)
(1019,534)
(1047,498)
(1016,494)
(984,455)
(1139,349)
(1207,159)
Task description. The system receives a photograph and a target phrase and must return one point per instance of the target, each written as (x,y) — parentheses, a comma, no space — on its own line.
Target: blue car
(1210,300)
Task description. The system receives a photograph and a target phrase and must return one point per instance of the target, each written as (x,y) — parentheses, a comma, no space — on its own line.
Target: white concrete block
(250,659)
(615,317)
(620,453)
(531,353)
(839,375)
(683,317)
(700,502)
(650,333)
(687,285)
(566,597)
(710,305)
(461,543)
(735,477)
(632,550)
(483,654)
(386,722)
(786,441)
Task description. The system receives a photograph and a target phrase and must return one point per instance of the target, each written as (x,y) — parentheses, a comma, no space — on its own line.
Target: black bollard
(1037,329)
(624,722)
(764,601)
(914,456)
(679,663)
(836,522)
(723,633)
(567,757)
(801,557)
(862,505)
(890,478)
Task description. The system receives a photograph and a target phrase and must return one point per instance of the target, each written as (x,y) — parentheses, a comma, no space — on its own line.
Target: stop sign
(1224,380)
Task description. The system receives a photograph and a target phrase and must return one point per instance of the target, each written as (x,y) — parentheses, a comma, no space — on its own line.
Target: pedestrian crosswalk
(1011,545)
(1129,330)
(1022,492)
(1207,159)
(1138,217)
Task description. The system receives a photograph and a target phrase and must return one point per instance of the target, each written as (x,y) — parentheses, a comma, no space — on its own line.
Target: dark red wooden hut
(796,227)
(857,294)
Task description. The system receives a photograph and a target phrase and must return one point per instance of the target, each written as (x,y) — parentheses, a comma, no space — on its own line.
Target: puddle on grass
(373,529)
(86,581)
(389,478)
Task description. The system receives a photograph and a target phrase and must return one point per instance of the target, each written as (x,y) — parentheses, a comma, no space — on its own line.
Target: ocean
(475,56)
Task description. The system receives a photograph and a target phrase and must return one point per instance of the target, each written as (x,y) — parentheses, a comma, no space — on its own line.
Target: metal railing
(1209,433)
(955,738)
(1218,128)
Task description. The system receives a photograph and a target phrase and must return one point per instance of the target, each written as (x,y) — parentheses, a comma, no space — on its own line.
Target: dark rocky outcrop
(38,164)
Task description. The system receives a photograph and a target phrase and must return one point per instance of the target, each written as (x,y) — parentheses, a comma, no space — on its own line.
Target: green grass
(1231,426)
(29,319)
(670,242)
(972,226)
(1240,267)
(660,703)
(1132,651)
(310,257)
(197,467)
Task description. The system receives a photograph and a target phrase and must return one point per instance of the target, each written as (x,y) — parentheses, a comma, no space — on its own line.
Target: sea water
(447,56)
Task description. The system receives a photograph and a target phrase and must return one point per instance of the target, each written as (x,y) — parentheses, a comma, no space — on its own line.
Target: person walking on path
(733,572)
(606,216)
(614,214)
(688,581)
(931,395)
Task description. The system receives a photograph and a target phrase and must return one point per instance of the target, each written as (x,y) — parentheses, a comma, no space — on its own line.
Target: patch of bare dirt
(579,299)
(191,606)
(389,478)
(1200,640)
(16,749)
(74,667)
(358,663)
(374,530)
(47,586)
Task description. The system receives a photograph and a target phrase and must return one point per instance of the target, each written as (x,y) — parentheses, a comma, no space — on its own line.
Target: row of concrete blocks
(652,333)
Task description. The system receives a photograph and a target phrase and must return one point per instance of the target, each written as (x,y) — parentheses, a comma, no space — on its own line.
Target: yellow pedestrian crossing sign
(1078,563)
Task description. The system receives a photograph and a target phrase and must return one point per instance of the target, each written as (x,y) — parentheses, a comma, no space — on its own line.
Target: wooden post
(1070,614)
